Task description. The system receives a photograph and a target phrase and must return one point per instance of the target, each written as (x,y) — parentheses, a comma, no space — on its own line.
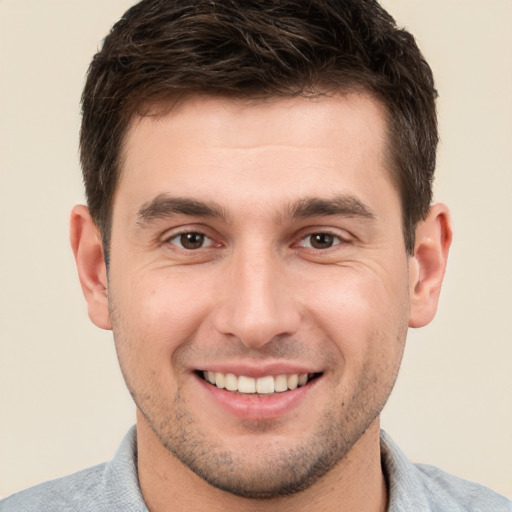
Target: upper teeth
(263,385)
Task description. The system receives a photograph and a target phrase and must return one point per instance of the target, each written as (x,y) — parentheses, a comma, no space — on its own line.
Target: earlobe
(88,251)
(428,264)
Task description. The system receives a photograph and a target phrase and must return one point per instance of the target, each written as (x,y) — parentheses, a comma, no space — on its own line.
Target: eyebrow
(344,205)
(163,206)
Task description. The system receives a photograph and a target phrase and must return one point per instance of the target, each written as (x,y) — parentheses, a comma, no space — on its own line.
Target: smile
(266,385)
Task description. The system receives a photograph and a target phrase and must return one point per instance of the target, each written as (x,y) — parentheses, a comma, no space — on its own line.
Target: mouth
(265,385)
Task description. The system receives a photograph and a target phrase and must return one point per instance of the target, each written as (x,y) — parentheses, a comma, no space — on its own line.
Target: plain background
(63,405)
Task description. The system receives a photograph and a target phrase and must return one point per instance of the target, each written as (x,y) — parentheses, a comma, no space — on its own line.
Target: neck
(356,483)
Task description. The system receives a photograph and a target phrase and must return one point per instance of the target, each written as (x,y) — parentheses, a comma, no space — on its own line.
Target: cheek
(361,308)
(162,302)
(153,317)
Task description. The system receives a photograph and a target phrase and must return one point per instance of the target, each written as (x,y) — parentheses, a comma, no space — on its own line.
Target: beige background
(63,405)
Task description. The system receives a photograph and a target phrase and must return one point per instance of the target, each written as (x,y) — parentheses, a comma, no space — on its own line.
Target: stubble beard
(265,471)
(268,471)
(262,472)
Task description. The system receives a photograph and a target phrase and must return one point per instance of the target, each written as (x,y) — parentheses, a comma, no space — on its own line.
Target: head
(261,175)
(165,51)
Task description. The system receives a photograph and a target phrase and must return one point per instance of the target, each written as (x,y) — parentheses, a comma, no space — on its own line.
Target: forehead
(262,120)
(209,145)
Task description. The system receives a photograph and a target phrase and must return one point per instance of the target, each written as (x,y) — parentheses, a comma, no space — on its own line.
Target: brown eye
(190,241)
(320,241)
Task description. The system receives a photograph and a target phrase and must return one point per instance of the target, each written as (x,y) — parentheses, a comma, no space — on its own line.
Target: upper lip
(257,370)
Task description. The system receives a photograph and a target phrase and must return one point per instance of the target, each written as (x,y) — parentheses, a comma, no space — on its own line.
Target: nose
(256,301)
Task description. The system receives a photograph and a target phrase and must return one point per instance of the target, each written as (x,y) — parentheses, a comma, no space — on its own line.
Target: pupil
(192,240)
(322,240)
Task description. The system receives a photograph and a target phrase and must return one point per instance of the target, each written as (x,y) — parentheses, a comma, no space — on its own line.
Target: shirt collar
(405,488)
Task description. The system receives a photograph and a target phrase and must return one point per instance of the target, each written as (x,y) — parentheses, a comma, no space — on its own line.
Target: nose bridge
(257,302)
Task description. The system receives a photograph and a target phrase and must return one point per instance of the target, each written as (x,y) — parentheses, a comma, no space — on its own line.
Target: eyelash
(331,239)
(334,239)
(179,237)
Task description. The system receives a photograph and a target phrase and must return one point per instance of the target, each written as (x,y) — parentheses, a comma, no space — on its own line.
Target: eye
(320,241)
(190,240)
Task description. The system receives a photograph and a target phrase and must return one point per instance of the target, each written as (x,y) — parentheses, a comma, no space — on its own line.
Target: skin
(260,293)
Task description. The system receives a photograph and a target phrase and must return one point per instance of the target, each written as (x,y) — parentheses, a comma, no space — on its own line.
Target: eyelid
(179,235)
(176,232)
(336,241)
(341,235)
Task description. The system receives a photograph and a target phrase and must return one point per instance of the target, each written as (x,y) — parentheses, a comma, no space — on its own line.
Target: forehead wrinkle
(163,206)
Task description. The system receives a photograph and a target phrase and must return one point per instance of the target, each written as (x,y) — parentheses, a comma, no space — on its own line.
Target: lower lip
(257,407)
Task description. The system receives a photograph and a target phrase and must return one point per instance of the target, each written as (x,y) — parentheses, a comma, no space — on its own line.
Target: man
(259,236)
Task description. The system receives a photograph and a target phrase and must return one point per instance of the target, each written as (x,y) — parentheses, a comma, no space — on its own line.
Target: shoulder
(108,487)
(443,489)
(423,488)
(79,491)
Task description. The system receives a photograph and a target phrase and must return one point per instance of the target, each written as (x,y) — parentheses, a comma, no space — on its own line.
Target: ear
(428,264)
(88,250)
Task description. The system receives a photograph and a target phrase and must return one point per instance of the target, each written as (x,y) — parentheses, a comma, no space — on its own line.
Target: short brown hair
(259,48)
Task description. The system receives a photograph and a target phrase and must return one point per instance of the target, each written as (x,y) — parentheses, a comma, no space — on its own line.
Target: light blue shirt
(114,487)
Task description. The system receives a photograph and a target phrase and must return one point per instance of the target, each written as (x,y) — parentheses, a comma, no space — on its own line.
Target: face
(259,284)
